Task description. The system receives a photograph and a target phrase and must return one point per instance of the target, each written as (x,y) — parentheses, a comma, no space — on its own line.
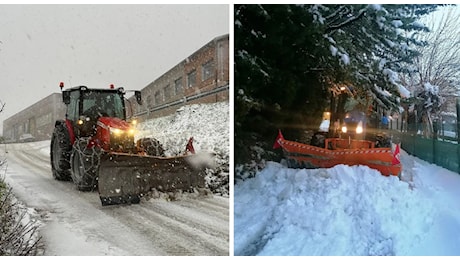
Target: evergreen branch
(346,22)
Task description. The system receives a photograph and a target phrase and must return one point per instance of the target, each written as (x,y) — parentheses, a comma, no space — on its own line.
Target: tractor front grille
(122,143)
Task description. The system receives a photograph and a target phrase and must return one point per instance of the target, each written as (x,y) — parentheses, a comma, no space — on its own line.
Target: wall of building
(37,120)
(203,77)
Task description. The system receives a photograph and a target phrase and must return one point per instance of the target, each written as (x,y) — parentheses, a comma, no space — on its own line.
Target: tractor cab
(354,125)
(85,106)
(345,118)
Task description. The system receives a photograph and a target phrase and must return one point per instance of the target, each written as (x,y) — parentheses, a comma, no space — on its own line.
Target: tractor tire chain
(85,165)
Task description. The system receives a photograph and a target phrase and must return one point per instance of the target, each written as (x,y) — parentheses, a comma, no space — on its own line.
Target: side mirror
(66,97)
(138,97)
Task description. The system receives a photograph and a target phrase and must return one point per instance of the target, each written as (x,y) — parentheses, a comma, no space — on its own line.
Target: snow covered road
(75,223)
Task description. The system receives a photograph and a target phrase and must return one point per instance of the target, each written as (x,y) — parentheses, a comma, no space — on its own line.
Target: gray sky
(96,45)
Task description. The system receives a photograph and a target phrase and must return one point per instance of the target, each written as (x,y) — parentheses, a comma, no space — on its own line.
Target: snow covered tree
(275,58)
(374,43)
(439,62)
(435,81)
(288,57)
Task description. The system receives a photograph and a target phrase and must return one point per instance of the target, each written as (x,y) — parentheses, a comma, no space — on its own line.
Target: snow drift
(209,126)
(345,211)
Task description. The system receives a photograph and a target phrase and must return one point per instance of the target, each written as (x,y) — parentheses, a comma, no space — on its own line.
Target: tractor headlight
(82,119)
(131,131)
(116,131)
(359,128)
(344,129)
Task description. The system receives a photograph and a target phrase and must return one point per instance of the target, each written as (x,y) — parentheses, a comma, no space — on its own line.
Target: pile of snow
(209,126)
(348,211)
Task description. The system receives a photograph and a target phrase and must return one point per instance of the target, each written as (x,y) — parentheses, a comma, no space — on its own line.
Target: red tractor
(94,146)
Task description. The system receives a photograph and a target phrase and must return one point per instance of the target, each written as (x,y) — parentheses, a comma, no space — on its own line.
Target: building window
(191,79)
(178,85)
(167,92)
(157,97)
(207,70)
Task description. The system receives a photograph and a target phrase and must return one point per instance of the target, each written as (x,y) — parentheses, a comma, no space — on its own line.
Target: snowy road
(75,223)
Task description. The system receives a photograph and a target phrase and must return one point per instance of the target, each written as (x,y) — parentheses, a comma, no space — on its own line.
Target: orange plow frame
(341,151)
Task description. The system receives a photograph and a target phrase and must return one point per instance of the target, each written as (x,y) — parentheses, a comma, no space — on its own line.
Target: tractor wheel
(60,151)
(85,165)
(151,146)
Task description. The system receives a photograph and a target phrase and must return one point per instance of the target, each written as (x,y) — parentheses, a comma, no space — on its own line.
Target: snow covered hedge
(18,234)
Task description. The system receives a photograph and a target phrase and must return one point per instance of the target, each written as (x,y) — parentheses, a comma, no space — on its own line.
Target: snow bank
(338,211)
(209,126)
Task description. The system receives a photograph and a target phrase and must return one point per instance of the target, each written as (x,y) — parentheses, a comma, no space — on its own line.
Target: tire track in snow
(30,156)
(176,235)
(217,206)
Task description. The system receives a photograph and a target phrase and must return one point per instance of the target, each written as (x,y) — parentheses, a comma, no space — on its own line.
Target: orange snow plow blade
(340,151)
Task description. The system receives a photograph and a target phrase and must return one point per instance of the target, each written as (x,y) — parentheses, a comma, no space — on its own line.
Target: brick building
(203,77)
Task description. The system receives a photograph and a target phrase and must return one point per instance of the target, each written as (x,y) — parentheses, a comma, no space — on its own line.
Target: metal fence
(443,153)
(442,150)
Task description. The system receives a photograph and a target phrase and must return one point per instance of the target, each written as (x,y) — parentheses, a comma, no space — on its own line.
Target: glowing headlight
(116,131)
(131,131)
(344,129)
(359,128)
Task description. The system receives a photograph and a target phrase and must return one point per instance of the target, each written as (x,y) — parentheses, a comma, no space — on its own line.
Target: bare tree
(439,66)
(439,63)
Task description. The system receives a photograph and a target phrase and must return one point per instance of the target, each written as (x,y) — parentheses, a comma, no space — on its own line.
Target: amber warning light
(112,86)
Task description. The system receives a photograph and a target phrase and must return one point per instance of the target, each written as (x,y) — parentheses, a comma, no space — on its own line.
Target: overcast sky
(96,45)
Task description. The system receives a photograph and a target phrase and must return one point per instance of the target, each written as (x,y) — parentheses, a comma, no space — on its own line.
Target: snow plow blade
(124,178)
(341,151)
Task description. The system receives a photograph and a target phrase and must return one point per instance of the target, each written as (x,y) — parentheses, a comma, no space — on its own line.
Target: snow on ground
(118,230)
(209,126)
(348,211)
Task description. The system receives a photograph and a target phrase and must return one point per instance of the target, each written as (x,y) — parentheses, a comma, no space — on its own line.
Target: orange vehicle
(341,151)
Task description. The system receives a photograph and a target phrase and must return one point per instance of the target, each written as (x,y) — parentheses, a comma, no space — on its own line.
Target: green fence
(443,153)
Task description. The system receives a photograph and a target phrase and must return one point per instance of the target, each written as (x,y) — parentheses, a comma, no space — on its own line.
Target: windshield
(99,103)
